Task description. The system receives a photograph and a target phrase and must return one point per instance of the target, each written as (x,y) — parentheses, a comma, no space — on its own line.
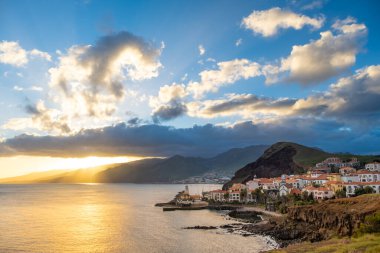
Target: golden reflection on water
(106,218)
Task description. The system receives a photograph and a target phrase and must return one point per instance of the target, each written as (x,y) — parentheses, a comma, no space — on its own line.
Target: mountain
(286,158)
(33,176)
(59,176)
(228,162)
(156,170)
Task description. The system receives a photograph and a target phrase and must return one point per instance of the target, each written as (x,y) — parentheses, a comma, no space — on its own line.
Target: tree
(365,190)
(341,193)
(243,193)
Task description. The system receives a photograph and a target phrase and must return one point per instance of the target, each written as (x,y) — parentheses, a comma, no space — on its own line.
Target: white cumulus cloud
(13,54)
(268,22)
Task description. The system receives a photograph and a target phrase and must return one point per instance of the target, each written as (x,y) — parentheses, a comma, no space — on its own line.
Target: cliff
(338,217)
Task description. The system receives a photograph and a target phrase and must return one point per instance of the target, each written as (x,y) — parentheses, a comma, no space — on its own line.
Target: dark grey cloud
(252,101)
(173,109)
(206,140)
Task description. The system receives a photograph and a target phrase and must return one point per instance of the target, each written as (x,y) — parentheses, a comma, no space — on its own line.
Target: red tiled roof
(295,191)
(363,183)
(367,172)
(218,191)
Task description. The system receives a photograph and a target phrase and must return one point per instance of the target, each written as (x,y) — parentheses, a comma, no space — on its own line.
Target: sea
(111,218)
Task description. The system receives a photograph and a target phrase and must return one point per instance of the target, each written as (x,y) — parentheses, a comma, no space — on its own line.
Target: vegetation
(308,156)
(341,193)
(365,190)
(369,243)
(371,224)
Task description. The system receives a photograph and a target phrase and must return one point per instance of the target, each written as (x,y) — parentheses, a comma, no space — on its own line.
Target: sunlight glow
(19,165)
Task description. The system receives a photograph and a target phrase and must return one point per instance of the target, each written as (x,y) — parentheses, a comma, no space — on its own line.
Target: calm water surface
(109,218)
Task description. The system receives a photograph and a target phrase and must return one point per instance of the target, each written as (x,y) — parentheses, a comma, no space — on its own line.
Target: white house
(375,166)
(252,184)
(218,195)
(368,176)
(320,192)
(234,196)
(352,186)
(284,189)
(320,180)
(349,178)
(267,184)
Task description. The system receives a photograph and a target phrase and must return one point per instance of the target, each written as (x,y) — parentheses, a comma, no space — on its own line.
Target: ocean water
(110,218)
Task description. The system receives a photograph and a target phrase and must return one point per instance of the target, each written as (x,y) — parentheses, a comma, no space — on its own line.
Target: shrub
(371,224)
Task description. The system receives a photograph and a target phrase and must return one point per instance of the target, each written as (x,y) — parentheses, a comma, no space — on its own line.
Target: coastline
(315,223)
(247,220)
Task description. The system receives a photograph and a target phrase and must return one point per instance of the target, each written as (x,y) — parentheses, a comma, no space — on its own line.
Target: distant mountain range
(153,170)
(243,163)
(287,158)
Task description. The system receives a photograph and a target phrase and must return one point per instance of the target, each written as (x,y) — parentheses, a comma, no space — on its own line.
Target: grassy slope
(307,156)
(369,243)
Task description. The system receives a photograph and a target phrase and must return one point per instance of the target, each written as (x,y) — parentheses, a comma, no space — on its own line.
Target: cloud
(18,88)
(169,111)
(321,59)
(32,88)
(201,49)
(238,42)
(91,78)
(168,104)
(351,100)
(40,54)
(42,118)
(316,4)
(228,72)
(268,22)
(248,106)
(13,54)
(206,140)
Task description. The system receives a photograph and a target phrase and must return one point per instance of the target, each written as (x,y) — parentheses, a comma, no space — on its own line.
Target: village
(331,178)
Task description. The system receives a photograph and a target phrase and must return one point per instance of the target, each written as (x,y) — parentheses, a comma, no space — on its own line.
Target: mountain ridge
(158,170)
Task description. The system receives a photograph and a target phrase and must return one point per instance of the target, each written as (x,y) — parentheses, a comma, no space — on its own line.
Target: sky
(131,79)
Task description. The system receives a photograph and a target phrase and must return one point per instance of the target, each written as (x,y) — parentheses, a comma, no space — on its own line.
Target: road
(258,209)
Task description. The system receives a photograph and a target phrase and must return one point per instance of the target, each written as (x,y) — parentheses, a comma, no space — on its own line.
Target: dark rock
(201,227)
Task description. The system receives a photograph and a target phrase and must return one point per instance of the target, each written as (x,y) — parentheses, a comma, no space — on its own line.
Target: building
(218,195)
(319,193)
(283,190)
(334,177)
(368,176)
(351,187)
(238,187)
(349,178)
(375,166)
(267,184)
(250,197)
(320,180)
(347,170)
(295,191)
(253,184)
(337,162)
(234,196)
(335,185)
